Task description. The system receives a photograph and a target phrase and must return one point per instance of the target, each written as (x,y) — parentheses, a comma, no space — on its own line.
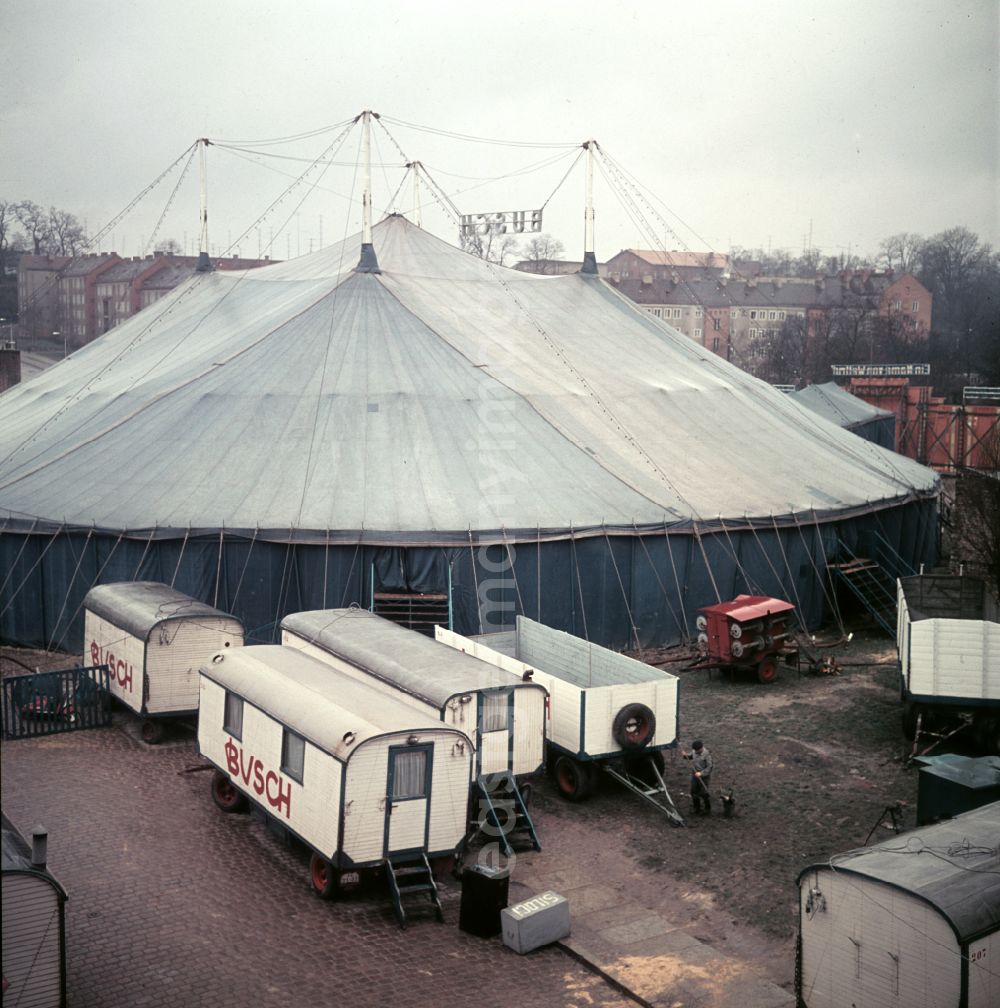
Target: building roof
(439,395)
(139,606)
(330,708)
(655,257)
(953,865)
(839,406)
(130,269)
(418,665)
(84,265)
(15,855)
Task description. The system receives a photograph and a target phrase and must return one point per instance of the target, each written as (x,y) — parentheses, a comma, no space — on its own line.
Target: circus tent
(308,435)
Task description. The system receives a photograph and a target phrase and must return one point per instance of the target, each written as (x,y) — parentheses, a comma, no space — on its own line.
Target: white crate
(534,922)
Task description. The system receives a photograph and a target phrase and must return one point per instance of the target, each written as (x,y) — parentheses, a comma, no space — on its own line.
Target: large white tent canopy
(439,395)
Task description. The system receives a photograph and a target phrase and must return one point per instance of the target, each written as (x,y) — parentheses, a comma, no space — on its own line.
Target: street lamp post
(55,335)
(8,343)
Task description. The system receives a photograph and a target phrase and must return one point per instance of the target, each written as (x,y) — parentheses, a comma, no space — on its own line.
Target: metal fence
(45,703)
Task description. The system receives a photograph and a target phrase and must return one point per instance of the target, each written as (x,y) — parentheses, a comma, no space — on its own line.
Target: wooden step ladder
(500,803)
(410,882)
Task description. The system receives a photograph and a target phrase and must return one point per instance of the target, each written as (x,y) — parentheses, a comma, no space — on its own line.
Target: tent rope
(69,589)
(659,580)
(621,586)
(97,580)
(142,559)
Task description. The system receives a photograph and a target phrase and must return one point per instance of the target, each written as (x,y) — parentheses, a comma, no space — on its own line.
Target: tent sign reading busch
(504,222)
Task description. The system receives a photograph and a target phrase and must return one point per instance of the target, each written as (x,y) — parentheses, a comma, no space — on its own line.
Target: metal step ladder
(410,878)
(500,803)
(872,586)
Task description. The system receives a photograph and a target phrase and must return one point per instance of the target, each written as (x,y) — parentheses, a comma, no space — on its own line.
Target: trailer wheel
(226,795)
(151,732)
(634,726)
(573,778)
(323,876)
(767,670)
(910,714)
(987,735)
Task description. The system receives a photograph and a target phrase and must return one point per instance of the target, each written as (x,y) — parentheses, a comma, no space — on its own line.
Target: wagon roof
(416,664)
(748,607)
(316,700)
(138,606)
(15,855)
(953,865)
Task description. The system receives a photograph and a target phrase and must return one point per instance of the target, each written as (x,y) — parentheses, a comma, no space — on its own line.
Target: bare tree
(902,253)
(169,246)
(494,246)
(541,252)
(67,234)
(36,224)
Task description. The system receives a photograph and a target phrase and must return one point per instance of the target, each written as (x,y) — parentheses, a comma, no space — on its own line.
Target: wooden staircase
(873,588)
(411,885)
(499,804)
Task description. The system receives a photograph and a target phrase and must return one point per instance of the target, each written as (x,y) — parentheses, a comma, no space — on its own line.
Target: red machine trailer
(750,632)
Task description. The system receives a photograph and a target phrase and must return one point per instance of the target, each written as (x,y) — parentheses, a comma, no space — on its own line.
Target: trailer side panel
(125,655)
(175,652)
(253,761)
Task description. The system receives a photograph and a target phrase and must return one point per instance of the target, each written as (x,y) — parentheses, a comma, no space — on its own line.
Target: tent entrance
(395,596)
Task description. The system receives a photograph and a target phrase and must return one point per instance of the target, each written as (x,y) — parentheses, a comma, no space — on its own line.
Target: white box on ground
(535,922)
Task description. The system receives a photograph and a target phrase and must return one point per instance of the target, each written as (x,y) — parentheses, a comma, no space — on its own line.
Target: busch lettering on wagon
(251,771)
(120,670)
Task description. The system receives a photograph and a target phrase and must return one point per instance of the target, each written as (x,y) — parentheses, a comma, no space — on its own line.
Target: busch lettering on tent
(121,672)
(251,771)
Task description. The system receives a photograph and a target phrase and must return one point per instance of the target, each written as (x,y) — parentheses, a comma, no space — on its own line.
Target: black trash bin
(484,895)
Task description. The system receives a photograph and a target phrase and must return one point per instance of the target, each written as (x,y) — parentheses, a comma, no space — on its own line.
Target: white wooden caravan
(948,639)
(914,920)
(33,924)
(503,713)
(353,770)
(605,710)
(154,639)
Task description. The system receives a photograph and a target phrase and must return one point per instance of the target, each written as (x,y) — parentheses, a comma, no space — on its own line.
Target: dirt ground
(813,762)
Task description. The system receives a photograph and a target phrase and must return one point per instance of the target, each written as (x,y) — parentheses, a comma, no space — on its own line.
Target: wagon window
(233,717)
(293,753)
(409,774)
(494,711)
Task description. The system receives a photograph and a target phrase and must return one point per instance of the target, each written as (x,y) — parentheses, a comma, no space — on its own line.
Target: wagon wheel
(573,778)
(767,670)
(525,790)
(226,795)
(151,732)
(634,726)
(329,881)
(911,712)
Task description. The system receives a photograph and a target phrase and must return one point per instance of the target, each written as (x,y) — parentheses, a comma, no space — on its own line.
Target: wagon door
(408,798)
(495,727)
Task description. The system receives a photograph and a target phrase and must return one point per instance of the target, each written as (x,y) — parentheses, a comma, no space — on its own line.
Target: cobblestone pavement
(173,903)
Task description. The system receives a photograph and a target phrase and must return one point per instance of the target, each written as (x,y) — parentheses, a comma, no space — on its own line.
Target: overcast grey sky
(752,123)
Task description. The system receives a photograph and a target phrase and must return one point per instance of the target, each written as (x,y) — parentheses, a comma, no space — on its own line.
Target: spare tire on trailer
(634,726)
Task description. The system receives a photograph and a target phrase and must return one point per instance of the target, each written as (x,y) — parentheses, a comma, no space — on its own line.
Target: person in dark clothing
(701,776)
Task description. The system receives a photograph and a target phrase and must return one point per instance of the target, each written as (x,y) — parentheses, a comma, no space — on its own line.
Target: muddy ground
(813,762)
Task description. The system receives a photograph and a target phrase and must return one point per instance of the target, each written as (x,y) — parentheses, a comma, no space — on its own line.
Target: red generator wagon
(750,632)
